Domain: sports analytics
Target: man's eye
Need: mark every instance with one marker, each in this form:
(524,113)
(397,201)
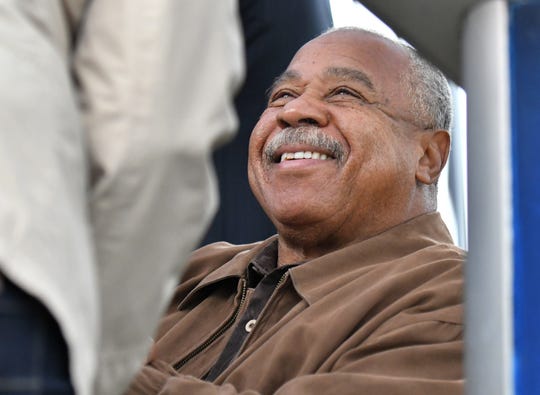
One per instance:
(343,91)
(347,92)
(280,97)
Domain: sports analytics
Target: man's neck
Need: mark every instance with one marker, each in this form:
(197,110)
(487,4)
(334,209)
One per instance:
(299,245)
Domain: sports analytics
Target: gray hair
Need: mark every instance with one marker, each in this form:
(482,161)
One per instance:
(429,91)
(426,85)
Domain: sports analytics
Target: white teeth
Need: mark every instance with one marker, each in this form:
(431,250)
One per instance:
(303,155)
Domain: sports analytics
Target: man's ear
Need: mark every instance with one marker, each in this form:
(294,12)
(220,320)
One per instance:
(436,146)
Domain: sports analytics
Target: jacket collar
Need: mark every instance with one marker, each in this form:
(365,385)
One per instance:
(316,278)
(234,268)
(322,275)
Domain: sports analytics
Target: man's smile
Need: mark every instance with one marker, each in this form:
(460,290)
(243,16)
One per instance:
(303,155)
(303,143)
(298,160)
(299,157)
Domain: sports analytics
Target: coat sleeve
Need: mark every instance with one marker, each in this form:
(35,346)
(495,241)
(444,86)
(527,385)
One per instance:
(156,81)
(421,359)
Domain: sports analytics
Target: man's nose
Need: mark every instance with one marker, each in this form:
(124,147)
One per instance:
(302,111)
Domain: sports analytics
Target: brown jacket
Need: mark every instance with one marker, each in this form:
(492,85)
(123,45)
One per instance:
(382,316)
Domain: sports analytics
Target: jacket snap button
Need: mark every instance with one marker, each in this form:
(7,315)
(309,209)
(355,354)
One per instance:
(250,325)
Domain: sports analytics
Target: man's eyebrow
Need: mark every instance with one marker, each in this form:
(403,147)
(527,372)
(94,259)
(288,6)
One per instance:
(287,76)
(334,72)
(350,74)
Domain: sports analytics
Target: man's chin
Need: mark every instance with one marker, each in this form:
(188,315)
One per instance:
(297,219)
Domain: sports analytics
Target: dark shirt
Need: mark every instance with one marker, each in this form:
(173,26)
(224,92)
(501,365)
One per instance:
(264,277)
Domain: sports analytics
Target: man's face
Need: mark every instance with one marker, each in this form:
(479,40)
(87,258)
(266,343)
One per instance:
(341,98)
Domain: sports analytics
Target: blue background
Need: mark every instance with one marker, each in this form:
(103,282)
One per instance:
(525,88)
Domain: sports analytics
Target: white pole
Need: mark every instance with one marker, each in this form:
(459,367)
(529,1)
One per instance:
(488,295)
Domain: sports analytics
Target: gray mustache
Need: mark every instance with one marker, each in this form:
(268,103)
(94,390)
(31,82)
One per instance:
(310,135)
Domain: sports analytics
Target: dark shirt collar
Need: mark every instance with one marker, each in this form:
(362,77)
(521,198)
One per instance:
(266,261)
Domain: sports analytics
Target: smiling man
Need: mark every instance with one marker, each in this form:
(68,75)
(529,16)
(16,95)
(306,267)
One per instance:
(360,292)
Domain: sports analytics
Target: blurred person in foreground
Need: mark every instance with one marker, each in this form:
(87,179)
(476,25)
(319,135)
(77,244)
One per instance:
(109,113)
(360,291)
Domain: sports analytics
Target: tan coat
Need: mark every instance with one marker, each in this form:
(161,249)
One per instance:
(142,90)
(383,316)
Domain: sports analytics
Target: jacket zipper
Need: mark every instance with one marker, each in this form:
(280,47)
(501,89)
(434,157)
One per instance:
(278,285)
(281,281)
(216,334)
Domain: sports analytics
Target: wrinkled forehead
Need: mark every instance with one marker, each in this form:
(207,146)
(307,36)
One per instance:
(383,62)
